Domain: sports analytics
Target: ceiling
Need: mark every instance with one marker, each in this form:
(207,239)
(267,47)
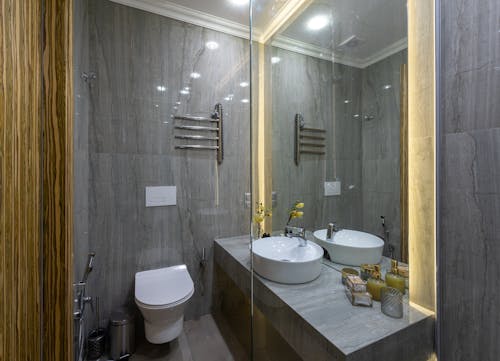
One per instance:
(379,25)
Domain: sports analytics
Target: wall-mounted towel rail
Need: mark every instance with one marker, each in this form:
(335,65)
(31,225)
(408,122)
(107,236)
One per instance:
(316,130)
(303,139)
(196,137)
(196,127)
(196,146)
(196,118)
(302,136)
(311,152)
(215,117)
(312,145)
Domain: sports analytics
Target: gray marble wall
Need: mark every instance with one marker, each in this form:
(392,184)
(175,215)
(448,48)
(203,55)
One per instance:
(131,146)
(381,147)
(469,168)
(317,89)
(300,84)
(345,149)
(363,155)
(81,139)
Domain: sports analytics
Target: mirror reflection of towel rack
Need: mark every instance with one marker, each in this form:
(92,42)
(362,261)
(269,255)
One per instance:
(217,118)
(303,137)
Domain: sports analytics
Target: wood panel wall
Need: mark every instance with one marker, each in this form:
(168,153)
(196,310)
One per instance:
(20,179)
(57,180)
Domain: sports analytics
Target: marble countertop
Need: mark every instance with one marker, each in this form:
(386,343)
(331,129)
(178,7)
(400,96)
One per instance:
(323,305)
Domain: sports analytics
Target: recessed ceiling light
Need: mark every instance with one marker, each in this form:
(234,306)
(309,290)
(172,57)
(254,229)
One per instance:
(387,87)
(184,92)
(275,60)
(244,84)
(212,45)
(195,75)
(187,88)
(347,101)
(355,116)
(318,22)
(245,100)
(161,88)
(239,2)
(178,103)
(227,99)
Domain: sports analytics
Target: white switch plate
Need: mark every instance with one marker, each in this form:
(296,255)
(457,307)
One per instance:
(161,196)
(332,188)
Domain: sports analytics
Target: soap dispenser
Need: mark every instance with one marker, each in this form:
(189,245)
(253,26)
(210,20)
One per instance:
(375,284)
(393,279)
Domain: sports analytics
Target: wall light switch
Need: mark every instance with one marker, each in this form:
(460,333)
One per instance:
(161,196)
(332,188)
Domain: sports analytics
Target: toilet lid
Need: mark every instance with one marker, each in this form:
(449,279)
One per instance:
(163,286)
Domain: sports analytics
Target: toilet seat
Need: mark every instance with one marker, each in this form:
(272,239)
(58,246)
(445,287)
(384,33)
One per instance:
(164,287)
(168,305)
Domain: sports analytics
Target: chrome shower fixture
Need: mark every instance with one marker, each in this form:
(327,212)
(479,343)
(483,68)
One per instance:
(90,262)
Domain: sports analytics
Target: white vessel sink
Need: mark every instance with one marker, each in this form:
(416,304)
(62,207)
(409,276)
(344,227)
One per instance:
(351,248)
(281,259)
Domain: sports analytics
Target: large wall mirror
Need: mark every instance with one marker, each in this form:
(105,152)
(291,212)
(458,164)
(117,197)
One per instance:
(335,97)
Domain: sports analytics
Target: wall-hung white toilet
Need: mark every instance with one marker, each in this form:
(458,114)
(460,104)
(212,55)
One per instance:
(161,295)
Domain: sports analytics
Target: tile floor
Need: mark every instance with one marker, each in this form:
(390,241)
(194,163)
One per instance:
(201,340)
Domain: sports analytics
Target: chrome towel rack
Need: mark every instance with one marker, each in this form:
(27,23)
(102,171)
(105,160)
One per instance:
(215,118)
(307,140)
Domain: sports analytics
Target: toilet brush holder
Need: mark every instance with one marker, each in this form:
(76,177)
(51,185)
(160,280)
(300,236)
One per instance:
(96,342)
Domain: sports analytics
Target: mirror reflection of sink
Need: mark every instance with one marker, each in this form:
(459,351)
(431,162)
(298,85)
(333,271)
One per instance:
(281,259)
(350,247)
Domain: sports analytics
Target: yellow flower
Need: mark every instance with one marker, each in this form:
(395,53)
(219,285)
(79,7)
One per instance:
(299,214)
(258,219)
(299,205)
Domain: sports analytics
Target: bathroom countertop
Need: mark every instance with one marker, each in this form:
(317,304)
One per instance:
(319,322)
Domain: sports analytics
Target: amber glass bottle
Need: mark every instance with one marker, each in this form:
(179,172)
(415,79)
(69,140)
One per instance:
(393,279)
(374,285)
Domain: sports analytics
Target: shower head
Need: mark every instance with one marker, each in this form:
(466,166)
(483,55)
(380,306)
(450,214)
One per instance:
(351,42)
(90,262)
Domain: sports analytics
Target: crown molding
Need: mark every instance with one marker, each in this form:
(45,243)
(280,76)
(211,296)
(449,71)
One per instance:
(188,15)
(386,52)
(300,47)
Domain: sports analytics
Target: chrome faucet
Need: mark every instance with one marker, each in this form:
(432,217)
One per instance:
(332,228)
(385,236)
(299,232)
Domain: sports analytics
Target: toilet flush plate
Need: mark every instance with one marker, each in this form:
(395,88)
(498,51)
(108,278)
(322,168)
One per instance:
(161,196)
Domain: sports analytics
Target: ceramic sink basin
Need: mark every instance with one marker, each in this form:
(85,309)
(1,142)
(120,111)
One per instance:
(281,259)
(350,247)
